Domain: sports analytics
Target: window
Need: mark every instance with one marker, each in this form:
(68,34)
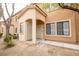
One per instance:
(63,28)
(60,28)
(21,28)
(48,28)
(52,28)
(66,28)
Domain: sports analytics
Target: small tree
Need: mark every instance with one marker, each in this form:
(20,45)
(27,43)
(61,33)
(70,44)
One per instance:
(7,21)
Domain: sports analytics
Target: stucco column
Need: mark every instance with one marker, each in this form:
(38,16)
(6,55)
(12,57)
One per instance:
(34,31)
(25,31)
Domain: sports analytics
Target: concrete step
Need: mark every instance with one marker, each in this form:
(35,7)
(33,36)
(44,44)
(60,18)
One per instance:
(61,44)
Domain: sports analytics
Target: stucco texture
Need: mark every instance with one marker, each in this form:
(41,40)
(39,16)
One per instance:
(64,15)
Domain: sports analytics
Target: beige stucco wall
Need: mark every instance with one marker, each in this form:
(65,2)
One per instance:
(77,25)
(14,23)
(62,15)
(30,14)
(39,16)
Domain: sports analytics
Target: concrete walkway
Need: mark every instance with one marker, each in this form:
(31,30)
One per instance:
(61,44)
(39,49)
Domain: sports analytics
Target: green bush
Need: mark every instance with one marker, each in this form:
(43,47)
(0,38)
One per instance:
(8,40)
(1,34)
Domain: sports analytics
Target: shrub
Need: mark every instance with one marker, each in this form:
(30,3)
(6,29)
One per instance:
(1,34)
(8,40)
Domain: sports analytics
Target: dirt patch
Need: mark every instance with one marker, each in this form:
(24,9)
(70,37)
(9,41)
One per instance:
(53,50)
(28,49)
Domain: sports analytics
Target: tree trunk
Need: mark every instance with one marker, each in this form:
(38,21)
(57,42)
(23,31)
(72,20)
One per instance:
(7,30)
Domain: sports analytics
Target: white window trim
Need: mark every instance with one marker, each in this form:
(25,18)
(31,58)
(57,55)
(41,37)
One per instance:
(53,29)
(55,22)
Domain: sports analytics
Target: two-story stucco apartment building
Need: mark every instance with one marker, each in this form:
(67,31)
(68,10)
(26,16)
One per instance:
(32,23)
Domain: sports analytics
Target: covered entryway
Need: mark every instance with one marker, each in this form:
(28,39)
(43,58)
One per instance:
(32,24)
(39,29)
(29,30)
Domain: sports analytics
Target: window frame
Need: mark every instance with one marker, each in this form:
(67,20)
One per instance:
(53,29)
(50,29)
(47,29)
(63,28)
(55,22)
(61,23)
(66,28)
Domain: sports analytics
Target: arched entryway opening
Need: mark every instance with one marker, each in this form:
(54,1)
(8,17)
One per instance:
(39,29)
(29,30)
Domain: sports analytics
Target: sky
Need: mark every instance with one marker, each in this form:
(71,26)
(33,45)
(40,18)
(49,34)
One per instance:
(18,7)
